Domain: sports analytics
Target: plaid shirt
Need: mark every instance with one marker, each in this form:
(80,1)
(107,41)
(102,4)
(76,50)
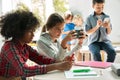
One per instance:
(13,57)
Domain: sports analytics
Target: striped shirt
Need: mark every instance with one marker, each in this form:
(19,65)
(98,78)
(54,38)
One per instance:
(13,57)
(52,49)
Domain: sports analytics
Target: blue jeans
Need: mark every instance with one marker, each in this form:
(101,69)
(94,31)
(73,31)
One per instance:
(107,47)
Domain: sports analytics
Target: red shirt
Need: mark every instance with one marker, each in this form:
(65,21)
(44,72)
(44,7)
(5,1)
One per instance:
(13,57)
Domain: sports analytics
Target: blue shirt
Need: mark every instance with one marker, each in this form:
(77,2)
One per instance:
(91,22)
(68,27)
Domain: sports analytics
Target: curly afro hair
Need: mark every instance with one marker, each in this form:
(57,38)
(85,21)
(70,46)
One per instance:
(15,24)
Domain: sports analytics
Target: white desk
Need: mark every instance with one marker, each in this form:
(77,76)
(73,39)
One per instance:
(57,75)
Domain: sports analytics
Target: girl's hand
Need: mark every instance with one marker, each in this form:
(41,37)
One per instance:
(70,36)
(81,39)
(69,58)
(64,65)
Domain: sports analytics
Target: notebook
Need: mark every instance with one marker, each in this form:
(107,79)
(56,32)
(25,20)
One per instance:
(95,64)
(90,73)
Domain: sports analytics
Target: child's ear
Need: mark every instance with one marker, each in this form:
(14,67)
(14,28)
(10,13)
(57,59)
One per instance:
(93,6)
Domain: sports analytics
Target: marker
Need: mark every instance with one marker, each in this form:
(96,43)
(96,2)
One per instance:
(81,70)
(72,57)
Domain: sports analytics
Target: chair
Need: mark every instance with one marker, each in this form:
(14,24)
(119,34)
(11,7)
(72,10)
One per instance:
(86,54)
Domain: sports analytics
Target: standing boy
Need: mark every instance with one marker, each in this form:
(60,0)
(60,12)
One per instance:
(98,27)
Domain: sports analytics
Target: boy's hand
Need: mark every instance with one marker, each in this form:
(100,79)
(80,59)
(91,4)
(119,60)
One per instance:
(106,24)
(99,22)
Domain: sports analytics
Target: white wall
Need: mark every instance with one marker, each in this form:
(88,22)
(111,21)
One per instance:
(1,41)
(112,8)
(9,5)
(49,9)
(80,6)
(0,7)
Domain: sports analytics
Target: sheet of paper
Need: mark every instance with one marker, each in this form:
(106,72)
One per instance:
(96,64)
(71,74)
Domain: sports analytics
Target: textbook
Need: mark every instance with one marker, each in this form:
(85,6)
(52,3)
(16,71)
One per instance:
(81,73)
(95,64)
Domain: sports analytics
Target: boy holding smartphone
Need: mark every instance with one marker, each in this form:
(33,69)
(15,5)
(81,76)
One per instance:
(98,27)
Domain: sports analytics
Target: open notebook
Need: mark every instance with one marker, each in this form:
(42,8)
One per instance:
(96,64)
(83,74)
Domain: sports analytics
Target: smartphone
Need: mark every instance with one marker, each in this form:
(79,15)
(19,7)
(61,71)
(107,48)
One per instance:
(79,33)
(107,20)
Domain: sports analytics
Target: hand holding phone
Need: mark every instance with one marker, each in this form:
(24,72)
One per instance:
(106,20)
(79,33)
